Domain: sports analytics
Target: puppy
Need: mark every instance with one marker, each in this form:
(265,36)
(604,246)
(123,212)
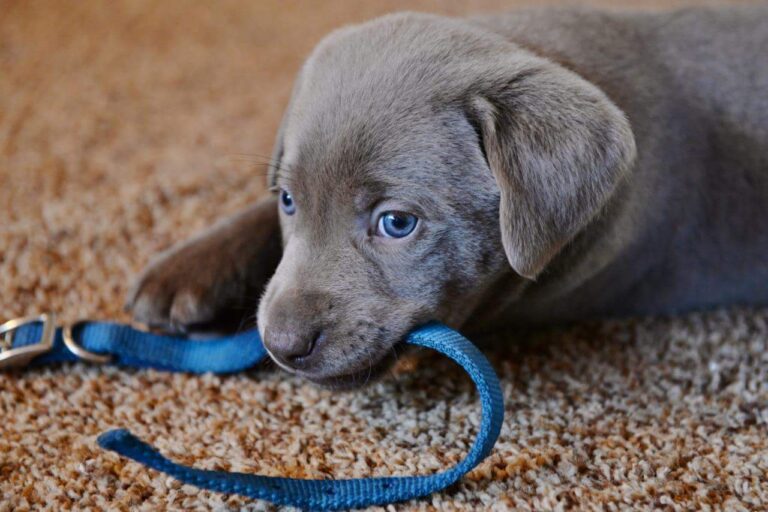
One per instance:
(532,167)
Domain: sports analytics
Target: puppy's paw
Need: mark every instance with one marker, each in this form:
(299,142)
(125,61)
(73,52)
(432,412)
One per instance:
(189,289)
(212,282)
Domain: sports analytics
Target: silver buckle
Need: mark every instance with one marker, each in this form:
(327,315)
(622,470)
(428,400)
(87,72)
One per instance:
(78,350)
(21,356)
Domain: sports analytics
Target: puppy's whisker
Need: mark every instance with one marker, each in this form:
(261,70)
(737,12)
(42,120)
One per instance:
(260,160)
(370,366)
(268,160)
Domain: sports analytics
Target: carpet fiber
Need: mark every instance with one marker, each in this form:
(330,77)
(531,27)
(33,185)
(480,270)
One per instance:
(127,126)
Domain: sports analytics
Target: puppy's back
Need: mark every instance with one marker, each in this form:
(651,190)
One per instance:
(694,85)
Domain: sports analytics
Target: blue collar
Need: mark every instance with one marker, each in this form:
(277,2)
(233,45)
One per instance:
(35,341)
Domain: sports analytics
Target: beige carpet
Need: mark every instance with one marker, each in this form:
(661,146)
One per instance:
(126,126)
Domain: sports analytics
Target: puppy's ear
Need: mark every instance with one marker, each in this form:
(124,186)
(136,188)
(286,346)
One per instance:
(277,153)
(557,147)
(278,149)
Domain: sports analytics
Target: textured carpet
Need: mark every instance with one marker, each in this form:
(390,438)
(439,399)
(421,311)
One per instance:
(126,126)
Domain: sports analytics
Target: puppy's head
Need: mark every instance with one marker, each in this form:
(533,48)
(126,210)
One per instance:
(419,159)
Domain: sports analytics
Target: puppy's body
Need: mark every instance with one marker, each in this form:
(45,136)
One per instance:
(689,228)
(623,155)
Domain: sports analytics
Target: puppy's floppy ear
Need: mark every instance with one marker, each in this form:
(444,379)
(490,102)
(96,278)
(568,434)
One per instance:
(277,154)
(557,147)
(278,149)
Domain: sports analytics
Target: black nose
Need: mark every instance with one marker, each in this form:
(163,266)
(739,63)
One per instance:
(292,348)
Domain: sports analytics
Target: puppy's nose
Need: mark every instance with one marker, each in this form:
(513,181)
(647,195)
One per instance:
(292,348)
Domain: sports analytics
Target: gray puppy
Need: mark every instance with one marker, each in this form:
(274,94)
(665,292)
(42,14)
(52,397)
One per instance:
(538,166)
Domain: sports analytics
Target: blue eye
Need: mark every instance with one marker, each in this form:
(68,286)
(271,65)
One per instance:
(286,202)
(394,224)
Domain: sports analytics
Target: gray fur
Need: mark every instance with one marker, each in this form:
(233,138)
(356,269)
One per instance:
(564,164)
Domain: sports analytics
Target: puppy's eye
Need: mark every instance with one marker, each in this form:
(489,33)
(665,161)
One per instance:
(286,202)
(394,224)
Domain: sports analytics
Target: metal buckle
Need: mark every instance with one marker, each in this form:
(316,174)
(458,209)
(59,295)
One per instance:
(79,351)
(21,356)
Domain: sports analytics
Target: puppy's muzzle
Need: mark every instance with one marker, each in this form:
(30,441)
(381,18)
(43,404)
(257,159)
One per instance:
(294,349)
(295,330)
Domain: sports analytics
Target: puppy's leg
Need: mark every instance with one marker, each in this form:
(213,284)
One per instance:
(213,281)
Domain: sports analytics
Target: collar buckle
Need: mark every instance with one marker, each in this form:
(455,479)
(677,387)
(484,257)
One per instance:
(19,357)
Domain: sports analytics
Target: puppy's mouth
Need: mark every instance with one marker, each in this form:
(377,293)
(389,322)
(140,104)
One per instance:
(360,378)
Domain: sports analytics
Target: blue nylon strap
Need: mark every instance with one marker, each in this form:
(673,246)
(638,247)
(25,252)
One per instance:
(144,350)
(139,349)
